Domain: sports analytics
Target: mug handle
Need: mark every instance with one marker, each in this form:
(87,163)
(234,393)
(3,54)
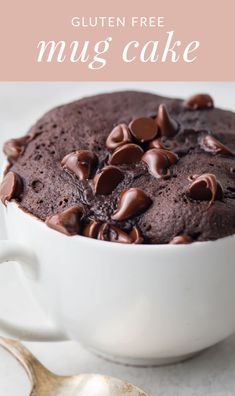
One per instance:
(12,251)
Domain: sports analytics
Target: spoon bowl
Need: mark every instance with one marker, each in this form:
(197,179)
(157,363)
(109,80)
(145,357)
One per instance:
(44,382)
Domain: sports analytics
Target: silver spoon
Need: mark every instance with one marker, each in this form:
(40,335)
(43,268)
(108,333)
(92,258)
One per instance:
(45,383)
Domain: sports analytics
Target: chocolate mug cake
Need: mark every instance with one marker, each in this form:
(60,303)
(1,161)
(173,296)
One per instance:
(128,167)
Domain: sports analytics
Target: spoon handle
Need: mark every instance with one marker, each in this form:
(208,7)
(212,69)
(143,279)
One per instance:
(32,366)
(44,382)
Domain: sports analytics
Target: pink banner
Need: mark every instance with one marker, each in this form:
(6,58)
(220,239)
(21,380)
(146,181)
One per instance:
(123,40)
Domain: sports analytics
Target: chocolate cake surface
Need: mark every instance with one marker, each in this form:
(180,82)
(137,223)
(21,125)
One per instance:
(129,167)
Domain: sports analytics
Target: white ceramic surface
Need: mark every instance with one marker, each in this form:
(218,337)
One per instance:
(139,304)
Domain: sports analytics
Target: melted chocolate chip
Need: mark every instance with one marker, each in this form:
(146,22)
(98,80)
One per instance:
(112,233)
(168,126)
(67,222)
(206,188)
(14,148)
(181,239)
(214,146)
(132,202)
(108,232)
(200,101)
(159,161)
(143,129)
(107,180)
(127,154)
(136,236)
(11,187)
(119,136)
(156,143)
(81,163)
(103,232)
(115,234)
(91,229)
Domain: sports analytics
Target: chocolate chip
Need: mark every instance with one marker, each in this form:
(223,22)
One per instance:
(119,136)
(68,222)
(200,101)
(159,161)
(156,143)
(127,154)
(181,239)
(136,236)
(107,180)
(214,146)
(91,229)
(108,232)
(206,188)
(168,126)
(132,202)
(81,163)
(143,129)
(118,235)
(11,187)
(14,148)
(103,232)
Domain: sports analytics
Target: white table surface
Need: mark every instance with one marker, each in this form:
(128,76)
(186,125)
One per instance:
(210,374)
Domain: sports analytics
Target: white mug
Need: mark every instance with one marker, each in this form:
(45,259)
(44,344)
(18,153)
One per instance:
(137,304)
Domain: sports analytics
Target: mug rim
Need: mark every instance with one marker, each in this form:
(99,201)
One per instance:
(151,247)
